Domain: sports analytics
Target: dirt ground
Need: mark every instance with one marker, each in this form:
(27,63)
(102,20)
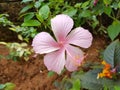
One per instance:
(33,75)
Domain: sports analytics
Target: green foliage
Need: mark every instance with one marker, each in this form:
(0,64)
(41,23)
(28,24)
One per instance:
(4,21)
(31,23)
(83,13)
(50,73)
(76,85)
(44,12)
(117,87)
(71,12)
(2,86)
(112,54)
(28,16)
(92,83)
(24,1)
(18,50)
(24,33)
(88,81)
(7,86)
(107,2)
(72,83)
(119,4)
(114,30)
(65,84)
(26,8)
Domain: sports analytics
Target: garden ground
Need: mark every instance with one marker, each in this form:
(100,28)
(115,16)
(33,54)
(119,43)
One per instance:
(33,75)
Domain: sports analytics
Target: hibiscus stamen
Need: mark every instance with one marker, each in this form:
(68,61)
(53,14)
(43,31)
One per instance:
(77,60)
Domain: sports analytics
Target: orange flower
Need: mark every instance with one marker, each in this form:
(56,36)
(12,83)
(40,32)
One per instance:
(104,63)
(106,72)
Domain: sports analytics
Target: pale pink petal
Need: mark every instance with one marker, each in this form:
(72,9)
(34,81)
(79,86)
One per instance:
(80,37)
(61,26)
(74,57)
(44,43)
(55,61)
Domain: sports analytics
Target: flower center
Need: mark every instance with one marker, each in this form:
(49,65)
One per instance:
(61,43)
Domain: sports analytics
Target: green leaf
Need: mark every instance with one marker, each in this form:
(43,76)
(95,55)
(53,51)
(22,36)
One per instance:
(105,88)
(77,5)
(89,80)
(9,86)
(21,53)
(20,37)
(26,8)
(99,9)
(108,10)
(117,87)
(28,16)
(114,30)
(24,1)
(31,23)
(56,83)
(50,73)
(76,85)
(71,12)
(39,17)
(96,22)
(107,2)
(119,4)
(3,43)
(110,83)
(115,5)
(2,86)
(85,13)
(85,4)
(117,54)
(37,4)
(44,11)
(112,54)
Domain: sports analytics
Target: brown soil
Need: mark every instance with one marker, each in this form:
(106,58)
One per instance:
(32,75)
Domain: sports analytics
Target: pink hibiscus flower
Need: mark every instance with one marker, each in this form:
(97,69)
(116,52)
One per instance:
(62,51)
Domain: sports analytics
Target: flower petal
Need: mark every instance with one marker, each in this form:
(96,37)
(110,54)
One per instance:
(80,37)
(44,43)
(74,57)
(55,61)
(61,26)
